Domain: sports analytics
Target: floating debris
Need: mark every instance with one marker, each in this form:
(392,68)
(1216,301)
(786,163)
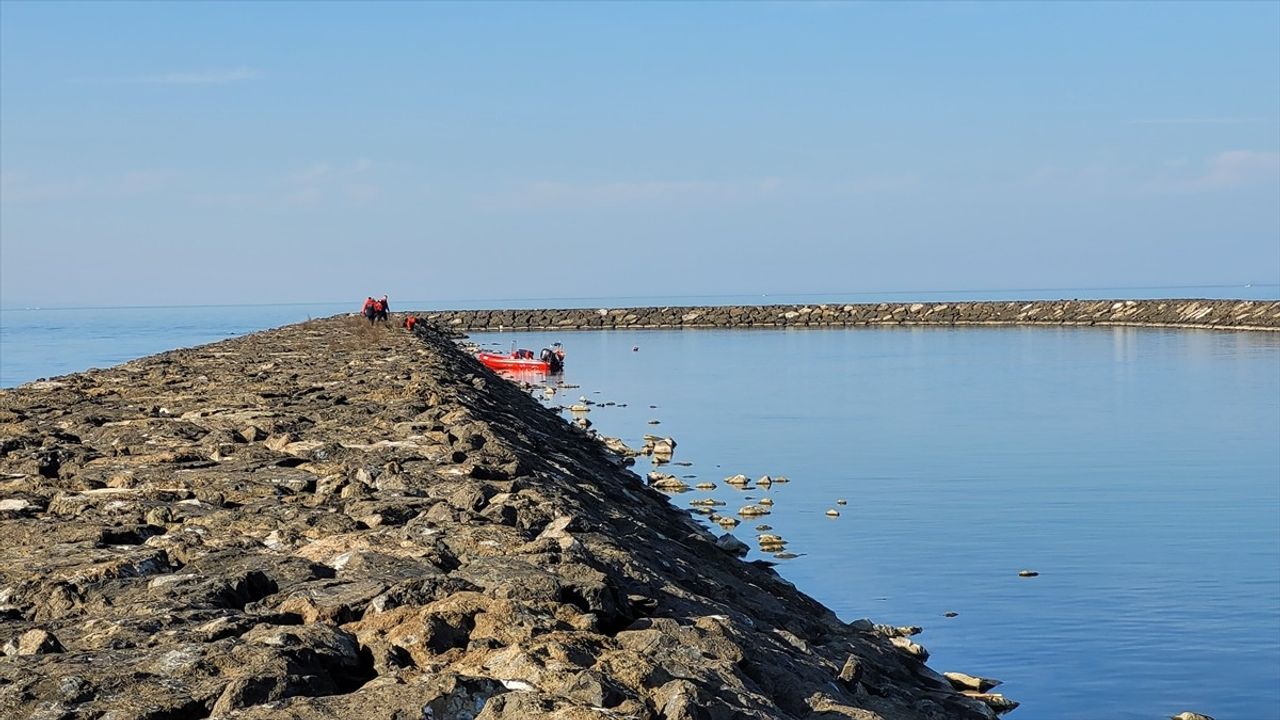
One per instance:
(842,501)
(832,512)
(1027,573)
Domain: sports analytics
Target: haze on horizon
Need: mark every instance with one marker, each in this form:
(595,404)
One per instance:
(162,154)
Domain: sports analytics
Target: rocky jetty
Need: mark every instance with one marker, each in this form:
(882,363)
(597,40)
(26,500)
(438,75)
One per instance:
(1206,314)
(332,520)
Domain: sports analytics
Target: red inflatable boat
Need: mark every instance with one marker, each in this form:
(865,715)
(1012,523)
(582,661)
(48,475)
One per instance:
(551,360)
(506,362)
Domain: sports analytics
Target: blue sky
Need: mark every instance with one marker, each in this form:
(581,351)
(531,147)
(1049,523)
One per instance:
(288,152)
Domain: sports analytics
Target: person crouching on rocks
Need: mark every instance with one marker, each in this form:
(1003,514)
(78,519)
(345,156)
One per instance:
(409,322)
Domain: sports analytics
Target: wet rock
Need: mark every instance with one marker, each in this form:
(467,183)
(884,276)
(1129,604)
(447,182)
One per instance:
(1187,715)
(1028,573)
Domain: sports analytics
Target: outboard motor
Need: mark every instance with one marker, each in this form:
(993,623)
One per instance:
(555,363)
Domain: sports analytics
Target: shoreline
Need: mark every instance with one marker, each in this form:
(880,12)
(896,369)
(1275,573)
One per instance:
(336,519)
(1191,314)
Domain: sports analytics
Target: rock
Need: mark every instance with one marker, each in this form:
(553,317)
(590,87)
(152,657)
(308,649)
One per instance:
(280,442)
(997,702)
(832,512)
(1187,715)
(33,642)
(753,510)
(765,501)
(851,671)
(842,501)
(961,681)
(738,480)
(1027,573)
(950,614)
(915,650)
(732,545)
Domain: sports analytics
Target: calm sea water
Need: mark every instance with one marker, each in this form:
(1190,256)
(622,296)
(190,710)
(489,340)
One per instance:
(1138,470)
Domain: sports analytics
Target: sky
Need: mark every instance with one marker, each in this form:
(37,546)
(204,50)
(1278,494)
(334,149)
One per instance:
(192,153)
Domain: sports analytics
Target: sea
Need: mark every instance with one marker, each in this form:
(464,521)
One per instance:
(1136,470)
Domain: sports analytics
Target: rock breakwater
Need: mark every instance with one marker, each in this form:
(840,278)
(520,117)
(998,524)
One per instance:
(337,520)
(1208,314)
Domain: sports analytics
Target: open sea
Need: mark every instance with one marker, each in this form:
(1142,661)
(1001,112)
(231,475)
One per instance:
(1137,470)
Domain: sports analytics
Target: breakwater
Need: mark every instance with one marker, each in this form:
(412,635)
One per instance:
(1204,314)
(341,520)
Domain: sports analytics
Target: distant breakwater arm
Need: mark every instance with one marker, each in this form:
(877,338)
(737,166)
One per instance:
(1202,314)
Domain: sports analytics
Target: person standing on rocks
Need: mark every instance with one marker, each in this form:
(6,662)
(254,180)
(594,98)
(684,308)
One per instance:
(368,310)
(384,308)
